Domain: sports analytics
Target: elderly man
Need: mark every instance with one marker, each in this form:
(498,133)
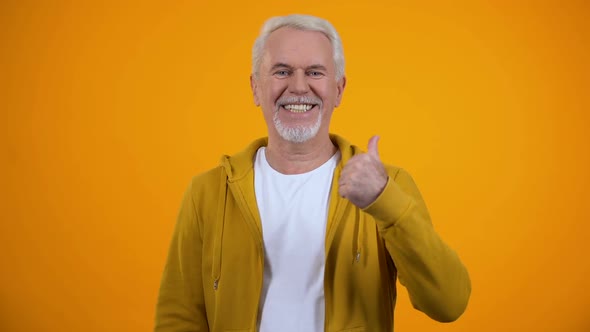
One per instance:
(303,231)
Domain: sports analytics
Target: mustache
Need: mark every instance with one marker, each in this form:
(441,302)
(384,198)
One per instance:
(310,100)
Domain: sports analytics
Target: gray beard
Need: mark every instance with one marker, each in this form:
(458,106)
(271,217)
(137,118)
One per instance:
(298,134)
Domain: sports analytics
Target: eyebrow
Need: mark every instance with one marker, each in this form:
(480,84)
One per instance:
(284,65)
(320,67)
(280,65)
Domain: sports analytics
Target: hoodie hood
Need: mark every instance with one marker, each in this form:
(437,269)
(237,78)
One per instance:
(240,164)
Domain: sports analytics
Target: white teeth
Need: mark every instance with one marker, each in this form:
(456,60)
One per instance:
(298,108)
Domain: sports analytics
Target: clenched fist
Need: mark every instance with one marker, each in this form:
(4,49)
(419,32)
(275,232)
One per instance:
(363,178)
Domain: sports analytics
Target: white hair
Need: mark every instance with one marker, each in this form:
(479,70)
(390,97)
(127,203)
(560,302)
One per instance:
(299,22)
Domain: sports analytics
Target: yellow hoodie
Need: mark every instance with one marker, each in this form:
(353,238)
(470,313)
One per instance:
(214,272)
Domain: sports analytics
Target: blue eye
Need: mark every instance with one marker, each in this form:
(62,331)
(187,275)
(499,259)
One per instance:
(282,73)
(315,74)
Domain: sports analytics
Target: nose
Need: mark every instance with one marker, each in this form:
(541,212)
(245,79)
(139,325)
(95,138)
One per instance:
(298,83)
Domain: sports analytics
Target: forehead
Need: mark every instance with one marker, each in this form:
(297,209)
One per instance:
(298,47)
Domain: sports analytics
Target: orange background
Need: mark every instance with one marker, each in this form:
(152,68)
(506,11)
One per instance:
(108,109)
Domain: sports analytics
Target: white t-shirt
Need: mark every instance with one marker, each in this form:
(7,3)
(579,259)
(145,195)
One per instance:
(293,210)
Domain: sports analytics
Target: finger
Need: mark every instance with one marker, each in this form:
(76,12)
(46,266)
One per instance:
(344,173)
(347,169)
(372,146)
(342,180)
(342,191)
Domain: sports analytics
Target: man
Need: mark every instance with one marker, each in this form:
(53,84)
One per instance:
(302,231)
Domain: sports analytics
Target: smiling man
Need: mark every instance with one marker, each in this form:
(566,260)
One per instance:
(303,231)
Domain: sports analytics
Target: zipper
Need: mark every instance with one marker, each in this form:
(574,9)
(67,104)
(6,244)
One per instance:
(255,227)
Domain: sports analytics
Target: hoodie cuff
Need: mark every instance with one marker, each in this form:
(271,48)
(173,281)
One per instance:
(390,205)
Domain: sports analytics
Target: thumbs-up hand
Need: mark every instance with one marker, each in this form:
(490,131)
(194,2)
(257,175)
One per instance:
(363,178)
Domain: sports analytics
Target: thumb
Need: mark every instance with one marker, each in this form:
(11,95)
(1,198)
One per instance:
(372,146)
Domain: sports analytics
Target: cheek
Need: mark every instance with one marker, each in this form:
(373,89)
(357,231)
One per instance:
(276,90)
(268,95)
(327,92)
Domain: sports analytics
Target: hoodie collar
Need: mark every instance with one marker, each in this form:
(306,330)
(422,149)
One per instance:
(238,165)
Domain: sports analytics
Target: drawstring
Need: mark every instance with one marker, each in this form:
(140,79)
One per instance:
(359,228)
(218,240)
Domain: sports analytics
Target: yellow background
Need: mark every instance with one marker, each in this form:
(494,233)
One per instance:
(108,109)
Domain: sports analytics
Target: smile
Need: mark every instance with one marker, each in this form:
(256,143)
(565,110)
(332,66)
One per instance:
(298,108)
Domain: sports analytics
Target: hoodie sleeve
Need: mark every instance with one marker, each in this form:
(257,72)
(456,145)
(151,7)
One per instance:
(181,303)
(438,284)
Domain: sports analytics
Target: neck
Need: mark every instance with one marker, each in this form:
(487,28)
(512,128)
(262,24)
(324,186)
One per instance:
(295,158)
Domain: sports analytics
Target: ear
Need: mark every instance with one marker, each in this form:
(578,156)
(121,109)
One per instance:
(340,85)
(254,87)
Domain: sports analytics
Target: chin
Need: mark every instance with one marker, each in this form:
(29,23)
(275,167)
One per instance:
(297,134)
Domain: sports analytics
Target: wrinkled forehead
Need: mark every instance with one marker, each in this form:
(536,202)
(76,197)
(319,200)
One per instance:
(297,48)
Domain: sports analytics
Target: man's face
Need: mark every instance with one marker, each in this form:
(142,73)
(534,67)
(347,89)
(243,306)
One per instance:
(296,84)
